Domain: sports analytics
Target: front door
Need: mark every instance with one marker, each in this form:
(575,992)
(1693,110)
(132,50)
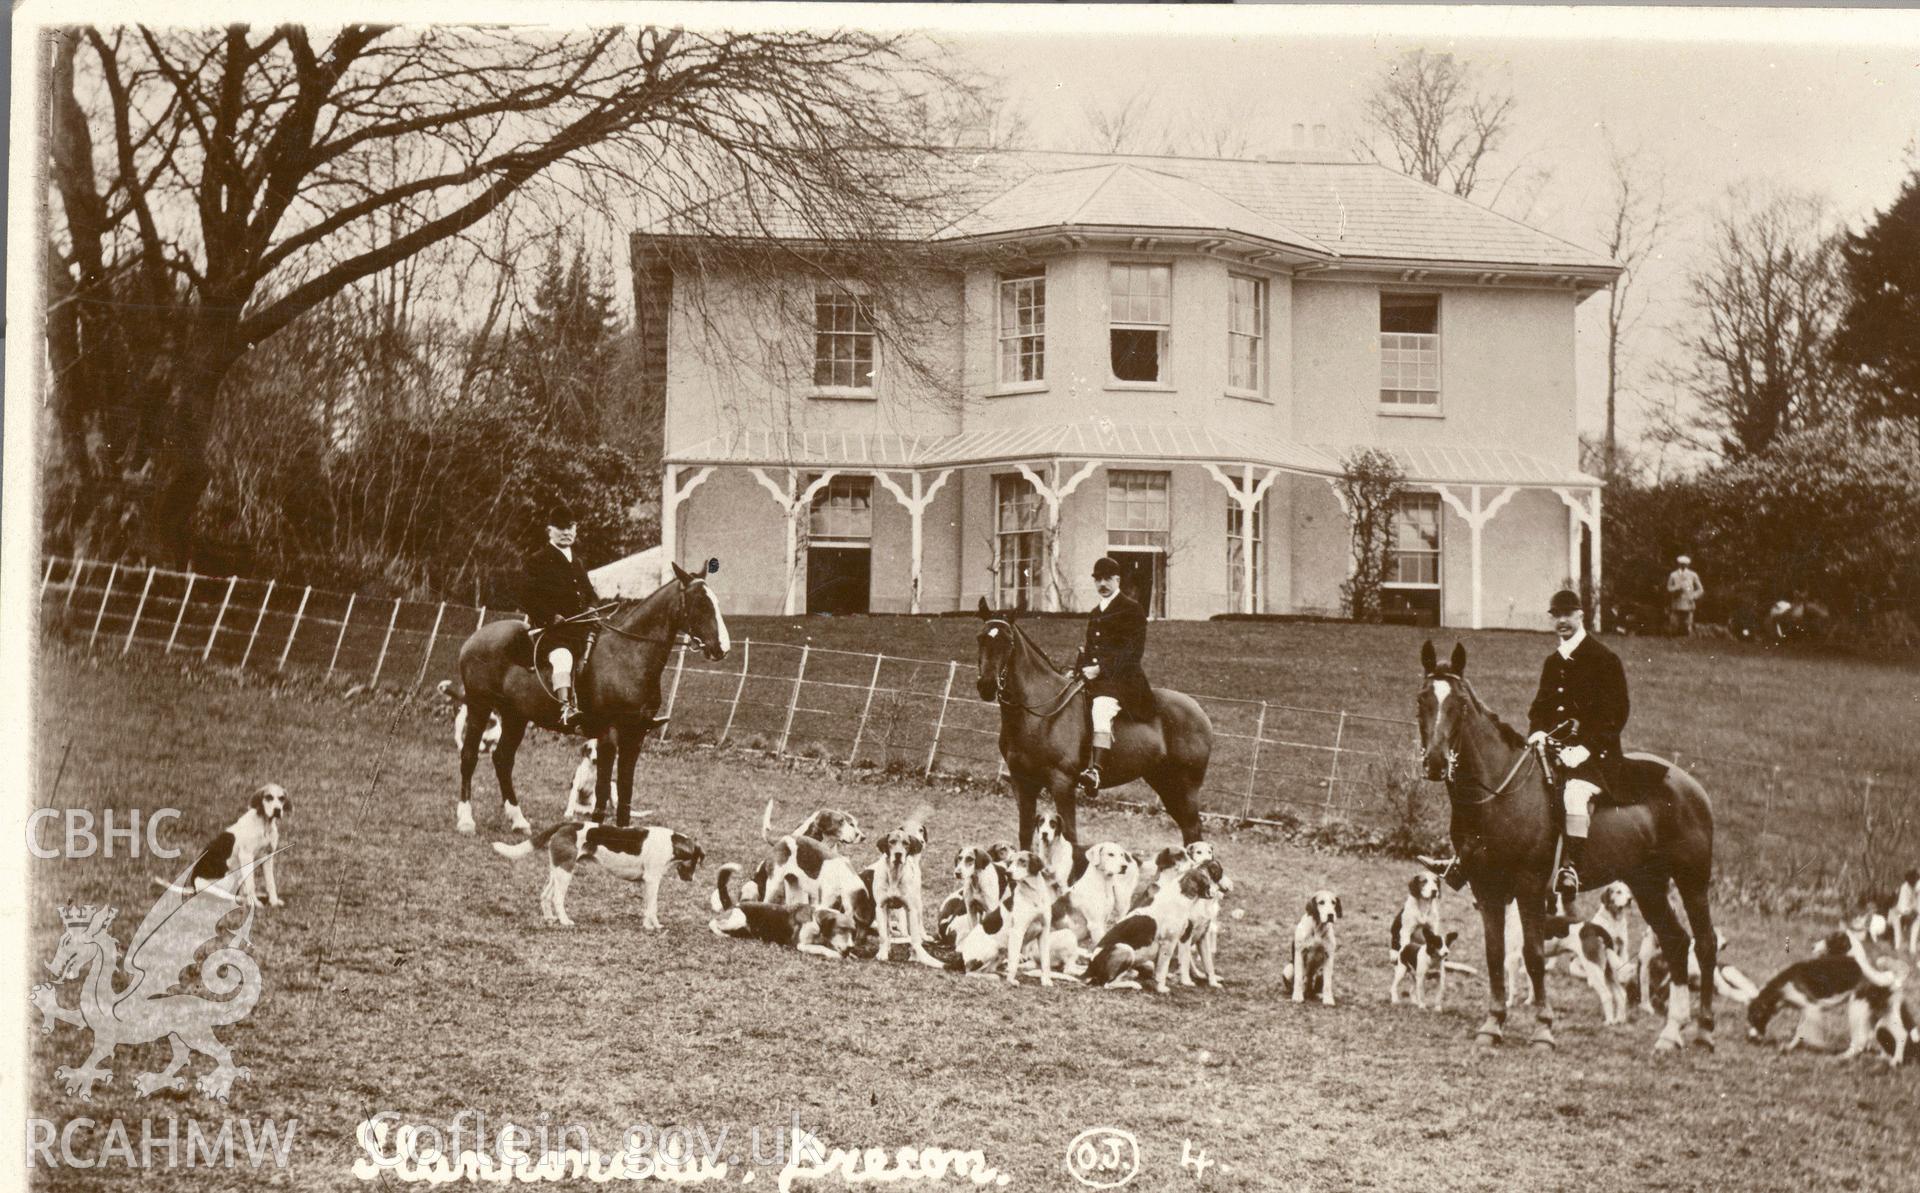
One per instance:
(838,579)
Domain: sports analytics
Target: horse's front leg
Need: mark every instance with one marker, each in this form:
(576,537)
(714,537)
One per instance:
(630,737)
(1533,938)
(1027,792)
(603,759)
(1493,924)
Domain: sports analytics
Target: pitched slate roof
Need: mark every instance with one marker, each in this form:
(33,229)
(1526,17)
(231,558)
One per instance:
(1357,212)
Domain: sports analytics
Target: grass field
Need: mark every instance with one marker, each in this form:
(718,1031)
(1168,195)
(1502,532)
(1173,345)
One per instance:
(410,973)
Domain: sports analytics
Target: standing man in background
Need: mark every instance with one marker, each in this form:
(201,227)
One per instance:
(1684,591)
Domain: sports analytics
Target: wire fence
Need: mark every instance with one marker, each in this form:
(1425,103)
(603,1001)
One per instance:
(1272,762)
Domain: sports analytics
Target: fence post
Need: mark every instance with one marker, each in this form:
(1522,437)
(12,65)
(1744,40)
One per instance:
(746,656)
(186,598)
(384,643)
(1333,773)
(258,618)
(345,618)
(941,722)
(673,693)
(297,615)
(1773,786)
(46,576)
(793,701)
(426,660)
(105,593)
(73,582)
(1253,771)
(219,617)
(139,609)
(861,731)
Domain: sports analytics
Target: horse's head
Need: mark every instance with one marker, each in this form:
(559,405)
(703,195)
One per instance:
(1439,708)
(698,614)
(996,646)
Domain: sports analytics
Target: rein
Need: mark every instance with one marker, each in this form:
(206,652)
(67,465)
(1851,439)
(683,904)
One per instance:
(1493,793)
(598,617)
(1073,688)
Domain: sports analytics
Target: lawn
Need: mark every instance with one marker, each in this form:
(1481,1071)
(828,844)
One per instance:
(410,972)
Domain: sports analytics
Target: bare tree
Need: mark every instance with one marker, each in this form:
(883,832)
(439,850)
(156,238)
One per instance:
(1766,299)
(1132,124)
(214,185)
(1635,220)
(1434,117)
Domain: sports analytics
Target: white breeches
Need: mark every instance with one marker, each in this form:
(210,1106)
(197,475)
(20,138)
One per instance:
(1578,797)
(562,659)
(1105,709)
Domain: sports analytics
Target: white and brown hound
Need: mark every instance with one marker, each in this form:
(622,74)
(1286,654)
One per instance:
(816,931)
(894,884)
(253,837)
(1147,937)
(1315,944)
(1838,974)
(1418,944)
(641,855)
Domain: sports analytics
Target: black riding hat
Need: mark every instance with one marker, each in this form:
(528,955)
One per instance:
(1564,601)
(562,515)
(1105,566)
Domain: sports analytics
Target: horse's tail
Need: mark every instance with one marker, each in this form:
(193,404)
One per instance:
(453,694)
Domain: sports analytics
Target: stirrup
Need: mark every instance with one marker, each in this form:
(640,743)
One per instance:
(1090,779)
(1567,882)
(569,710)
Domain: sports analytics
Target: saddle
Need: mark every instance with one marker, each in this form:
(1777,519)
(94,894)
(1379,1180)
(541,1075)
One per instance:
(1634,781)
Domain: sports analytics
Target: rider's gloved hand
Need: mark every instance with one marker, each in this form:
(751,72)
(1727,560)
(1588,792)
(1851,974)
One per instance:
(1574,756)
(1537,738)
(1090,670)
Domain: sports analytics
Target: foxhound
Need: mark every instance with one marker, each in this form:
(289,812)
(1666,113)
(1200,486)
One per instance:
(1603,952)
(1051,846)
(1416,942)
(1103,892)
(1146,937)
(1315,944)
(1839,973)
(1035,893)
(255,836)
(894,884)
(980,888)
(489,737)
(641,855)
(816,931)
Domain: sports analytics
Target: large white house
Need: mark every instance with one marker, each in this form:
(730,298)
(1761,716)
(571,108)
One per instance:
(1160,359)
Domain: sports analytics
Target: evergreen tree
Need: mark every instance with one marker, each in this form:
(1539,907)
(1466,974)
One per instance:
(1880,330)
(563,355)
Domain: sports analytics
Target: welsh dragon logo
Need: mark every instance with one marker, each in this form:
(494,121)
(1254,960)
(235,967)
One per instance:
(149,1007)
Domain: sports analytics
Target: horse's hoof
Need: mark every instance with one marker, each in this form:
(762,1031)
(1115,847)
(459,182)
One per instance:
(1543,1039)
(463,820)
(1666,1043)
(1703,1039)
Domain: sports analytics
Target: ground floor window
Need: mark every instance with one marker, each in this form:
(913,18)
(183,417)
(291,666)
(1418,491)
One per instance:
(1411,591)
(840,546)
(1239,542)
(1019,543)
(1139,523)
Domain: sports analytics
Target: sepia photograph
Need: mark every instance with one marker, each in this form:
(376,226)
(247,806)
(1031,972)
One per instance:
(1215,597)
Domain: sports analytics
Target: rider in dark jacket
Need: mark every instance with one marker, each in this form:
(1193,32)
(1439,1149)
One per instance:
(556,587)
(1581,682)
(1110,663)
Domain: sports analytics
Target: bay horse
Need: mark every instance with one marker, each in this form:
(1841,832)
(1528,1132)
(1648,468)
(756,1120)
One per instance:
(1505,828)
(619,688)
(1045,727)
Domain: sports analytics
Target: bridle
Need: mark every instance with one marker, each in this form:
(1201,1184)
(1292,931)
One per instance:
(1000,677)
(1455,782)
(598,615)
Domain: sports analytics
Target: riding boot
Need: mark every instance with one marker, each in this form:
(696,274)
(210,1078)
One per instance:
(569,711)
(1567,882)
(1090,777)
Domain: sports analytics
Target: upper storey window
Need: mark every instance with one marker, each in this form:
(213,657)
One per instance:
(1246,334)
(843,340)
(1410,353)
(1140,302)
(1023,330)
